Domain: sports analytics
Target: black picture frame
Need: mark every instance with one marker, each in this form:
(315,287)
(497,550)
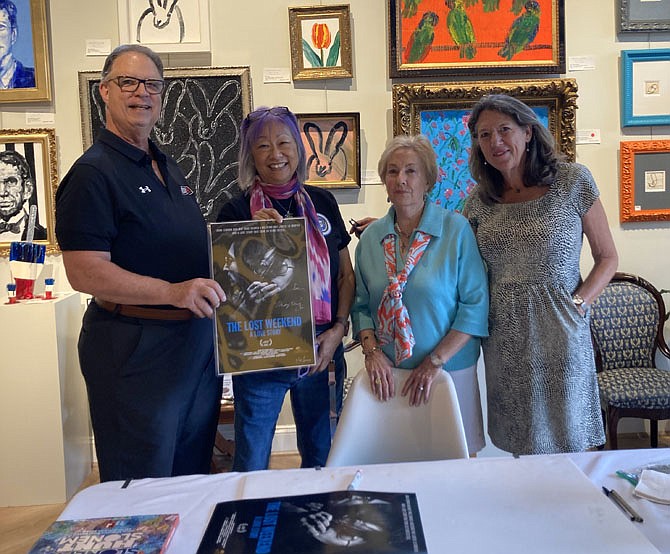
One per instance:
(545,57)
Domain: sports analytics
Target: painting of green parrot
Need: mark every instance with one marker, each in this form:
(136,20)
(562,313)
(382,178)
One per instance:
(421,40)
(517,6)
(522,32)
(410,7)
(461,30)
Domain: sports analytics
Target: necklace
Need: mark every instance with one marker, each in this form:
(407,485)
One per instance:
(400,231)
(404,239)
(287,211)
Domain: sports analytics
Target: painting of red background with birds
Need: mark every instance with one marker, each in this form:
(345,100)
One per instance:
(477,31)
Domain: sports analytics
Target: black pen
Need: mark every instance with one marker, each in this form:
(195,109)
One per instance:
(619,501)
(353,222)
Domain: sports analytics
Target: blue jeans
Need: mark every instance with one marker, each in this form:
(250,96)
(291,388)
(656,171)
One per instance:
(258,401)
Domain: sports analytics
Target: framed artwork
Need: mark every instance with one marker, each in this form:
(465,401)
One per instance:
(447,38)
(645,181)
(23,36)
(28,173)
(333,146)
(320,39)
(645,87)
(646,16)
(165,25)
(441,112)
(199,126)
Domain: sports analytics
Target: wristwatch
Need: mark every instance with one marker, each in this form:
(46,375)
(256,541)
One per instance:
(436,360)
(579,302)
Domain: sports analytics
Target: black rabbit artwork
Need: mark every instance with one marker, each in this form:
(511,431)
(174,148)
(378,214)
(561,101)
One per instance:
(332,148)
(327,159)
(198,126)
(163,19)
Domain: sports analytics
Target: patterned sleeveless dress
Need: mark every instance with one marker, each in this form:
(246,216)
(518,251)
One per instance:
(540,371)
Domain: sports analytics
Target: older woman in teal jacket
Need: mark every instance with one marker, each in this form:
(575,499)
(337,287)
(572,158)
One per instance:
(421,289)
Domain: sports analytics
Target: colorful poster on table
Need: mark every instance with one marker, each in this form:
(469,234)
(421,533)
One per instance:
(266,321)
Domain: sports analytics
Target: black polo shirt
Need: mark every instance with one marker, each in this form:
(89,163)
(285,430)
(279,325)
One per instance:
(330,221)
(111,201)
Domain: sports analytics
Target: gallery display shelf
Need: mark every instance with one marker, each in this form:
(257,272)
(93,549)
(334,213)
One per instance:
(44,419)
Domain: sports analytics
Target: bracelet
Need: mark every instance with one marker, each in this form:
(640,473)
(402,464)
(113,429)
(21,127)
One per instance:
(372,350)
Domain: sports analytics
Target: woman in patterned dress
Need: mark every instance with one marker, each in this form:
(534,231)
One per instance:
(421,299)
(529,211)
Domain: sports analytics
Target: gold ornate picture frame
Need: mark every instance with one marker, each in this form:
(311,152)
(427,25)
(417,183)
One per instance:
(36,149)
(31,44)
(320,39)
(441,112)
(645,181)
(333,148)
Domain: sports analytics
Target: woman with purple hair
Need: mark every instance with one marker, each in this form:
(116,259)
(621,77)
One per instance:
(272,172)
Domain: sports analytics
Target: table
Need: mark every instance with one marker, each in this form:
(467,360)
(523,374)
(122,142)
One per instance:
(548,504)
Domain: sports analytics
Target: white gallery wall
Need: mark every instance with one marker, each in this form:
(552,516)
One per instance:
(256,33)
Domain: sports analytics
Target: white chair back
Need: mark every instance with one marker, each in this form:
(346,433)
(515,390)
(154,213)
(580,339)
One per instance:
(375,432)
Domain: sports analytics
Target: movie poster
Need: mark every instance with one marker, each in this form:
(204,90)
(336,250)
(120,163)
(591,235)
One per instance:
(266,321)
(340,522)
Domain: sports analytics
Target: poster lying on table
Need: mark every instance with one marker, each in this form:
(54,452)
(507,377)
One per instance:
(149,534)
(266,320)
(341,522)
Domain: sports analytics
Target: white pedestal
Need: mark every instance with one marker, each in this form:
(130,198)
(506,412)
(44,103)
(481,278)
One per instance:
(44,422)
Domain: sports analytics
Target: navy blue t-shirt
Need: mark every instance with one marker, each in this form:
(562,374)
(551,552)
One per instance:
(330,222)
(111,201)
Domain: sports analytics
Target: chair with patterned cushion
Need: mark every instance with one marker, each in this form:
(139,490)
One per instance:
(627,322)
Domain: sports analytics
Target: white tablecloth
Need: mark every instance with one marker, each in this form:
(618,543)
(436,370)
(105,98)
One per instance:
(532,504)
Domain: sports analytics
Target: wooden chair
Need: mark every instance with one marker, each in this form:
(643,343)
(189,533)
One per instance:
(627,322)
(221,443)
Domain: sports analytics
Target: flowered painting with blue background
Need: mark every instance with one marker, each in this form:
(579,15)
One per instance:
(447,130)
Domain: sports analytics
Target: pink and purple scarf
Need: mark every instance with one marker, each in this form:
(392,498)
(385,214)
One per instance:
(317,250)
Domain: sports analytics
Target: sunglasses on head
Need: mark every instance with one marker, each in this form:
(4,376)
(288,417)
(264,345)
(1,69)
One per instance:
(260,114)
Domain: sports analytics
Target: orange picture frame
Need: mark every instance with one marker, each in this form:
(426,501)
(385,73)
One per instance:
(645,181)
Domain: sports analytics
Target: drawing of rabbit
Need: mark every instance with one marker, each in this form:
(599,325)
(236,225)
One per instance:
(165,126)
(212,115)
(322,161)
(162,12)
(210,193)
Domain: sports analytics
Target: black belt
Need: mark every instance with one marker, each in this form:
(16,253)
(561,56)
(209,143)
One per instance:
(128,310)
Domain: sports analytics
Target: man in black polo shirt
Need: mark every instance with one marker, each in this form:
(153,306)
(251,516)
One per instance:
(132,235)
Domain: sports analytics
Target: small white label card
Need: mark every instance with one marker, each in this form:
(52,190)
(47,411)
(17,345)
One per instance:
(588,136)
(581,63)
(370,177)
(276,75)
(37,119)
(98,46)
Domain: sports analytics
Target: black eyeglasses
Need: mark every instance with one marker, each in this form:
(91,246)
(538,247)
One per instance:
(259,114)
(131,84)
